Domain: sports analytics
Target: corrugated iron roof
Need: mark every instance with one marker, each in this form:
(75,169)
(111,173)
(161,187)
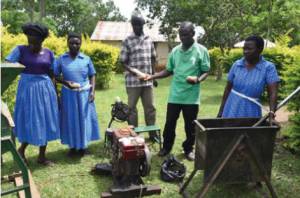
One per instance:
(118,31)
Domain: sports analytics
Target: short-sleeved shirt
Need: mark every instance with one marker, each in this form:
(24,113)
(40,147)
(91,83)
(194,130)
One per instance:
(192,62)
(138,52)
(35,63)
(77,70)
(250,83)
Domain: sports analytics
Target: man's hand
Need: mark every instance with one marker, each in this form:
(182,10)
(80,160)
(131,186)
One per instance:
(148,77)
(192,79)
(91,97)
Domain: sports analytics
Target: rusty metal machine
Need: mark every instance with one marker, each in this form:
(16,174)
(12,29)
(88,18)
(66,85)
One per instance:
(131,160)
(233,151)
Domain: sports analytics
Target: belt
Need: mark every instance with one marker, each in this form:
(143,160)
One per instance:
(254,100)
(83,88)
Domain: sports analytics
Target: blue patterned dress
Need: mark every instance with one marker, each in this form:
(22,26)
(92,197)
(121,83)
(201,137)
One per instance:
(36,110)
(250,83)
(79,122)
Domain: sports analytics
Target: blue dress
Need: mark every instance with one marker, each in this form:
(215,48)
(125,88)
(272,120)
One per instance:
(250,83)
(79,123)
(36,112)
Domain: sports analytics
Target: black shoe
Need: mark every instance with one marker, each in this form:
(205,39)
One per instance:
(83,152)
(163,152)
(190,156)
(72,152)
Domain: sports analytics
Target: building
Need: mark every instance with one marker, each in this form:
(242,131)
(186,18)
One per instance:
(113,33)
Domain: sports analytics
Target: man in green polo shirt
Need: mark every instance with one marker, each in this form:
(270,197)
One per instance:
(189,64)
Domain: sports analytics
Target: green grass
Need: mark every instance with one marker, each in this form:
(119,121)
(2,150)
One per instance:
(71,177)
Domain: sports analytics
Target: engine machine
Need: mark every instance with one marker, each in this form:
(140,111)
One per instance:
(131,160)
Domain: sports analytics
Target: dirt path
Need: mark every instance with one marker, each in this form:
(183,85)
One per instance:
(282,115)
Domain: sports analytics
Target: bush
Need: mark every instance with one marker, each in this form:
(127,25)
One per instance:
(291,77)
(103,56)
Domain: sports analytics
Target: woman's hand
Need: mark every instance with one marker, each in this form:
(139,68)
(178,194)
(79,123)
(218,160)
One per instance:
(72,85)
(272,120)
(91,97)
(219,114)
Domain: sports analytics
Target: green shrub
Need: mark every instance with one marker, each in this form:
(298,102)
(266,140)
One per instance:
(119,67)
(103,56)
(291,77)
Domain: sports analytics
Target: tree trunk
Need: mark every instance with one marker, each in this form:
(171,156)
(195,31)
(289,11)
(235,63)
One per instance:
(42,9)
(219,67)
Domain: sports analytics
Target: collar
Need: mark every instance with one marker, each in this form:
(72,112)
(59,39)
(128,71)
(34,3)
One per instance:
(258,65)
(189,49)
(142,36)
(79,55)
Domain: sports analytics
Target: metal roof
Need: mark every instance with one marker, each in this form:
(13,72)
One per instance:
(118,31)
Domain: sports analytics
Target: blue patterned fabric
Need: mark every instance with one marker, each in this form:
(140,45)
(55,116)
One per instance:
(79,122)
(250,83)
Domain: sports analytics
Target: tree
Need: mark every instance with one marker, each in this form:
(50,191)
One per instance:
(227,21)
(60,16)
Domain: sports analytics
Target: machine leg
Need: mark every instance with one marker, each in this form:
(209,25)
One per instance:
(183,187)
(261,169)
(220,165)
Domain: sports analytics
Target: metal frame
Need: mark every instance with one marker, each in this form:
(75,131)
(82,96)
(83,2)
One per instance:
(8,145)
(240,141)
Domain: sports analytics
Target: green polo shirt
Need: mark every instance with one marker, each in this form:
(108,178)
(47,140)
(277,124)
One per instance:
(191,62)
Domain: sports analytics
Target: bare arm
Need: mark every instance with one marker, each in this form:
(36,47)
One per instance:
(92,91)
(272,92)
(225,96)
(164,73)
(60,79)
(202,77)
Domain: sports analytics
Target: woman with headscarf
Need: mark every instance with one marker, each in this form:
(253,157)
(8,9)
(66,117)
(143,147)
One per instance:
(247,80)
(36,111)
(79,123)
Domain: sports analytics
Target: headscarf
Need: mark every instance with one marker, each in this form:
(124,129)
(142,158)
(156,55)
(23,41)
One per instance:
(35,29)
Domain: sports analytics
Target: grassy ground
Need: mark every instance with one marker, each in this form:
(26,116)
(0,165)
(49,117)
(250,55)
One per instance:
(71,177)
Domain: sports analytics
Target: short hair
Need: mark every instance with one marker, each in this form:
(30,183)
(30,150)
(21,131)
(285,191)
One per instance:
(259,41)
(137,17)
(187,24)
(74,35)
(35,29)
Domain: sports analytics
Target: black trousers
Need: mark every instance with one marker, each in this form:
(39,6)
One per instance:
(189,115)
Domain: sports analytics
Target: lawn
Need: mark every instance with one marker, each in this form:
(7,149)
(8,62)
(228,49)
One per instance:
(72,178)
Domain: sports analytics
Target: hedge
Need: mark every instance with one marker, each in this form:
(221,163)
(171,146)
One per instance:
(103,56)
(291,76)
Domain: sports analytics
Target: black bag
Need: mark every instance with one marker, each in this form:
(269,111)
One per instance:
(120,111)
(172,170)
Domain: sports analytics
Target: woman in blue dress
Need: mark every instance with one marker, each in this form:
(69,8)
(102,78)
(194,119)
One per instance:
(36,113)
(79,123)
(247,80)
